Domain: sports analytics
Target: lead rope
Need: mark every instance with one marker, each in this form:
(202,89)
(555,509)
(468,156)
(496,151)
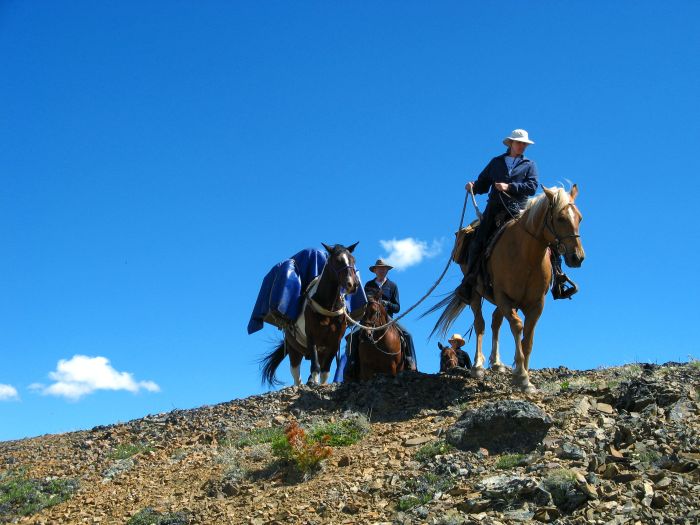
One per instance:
(427,294)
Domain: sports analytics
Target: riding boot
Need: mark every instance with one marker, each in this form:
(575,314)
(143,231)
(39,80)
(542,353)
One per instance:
(410,352)
(464,291)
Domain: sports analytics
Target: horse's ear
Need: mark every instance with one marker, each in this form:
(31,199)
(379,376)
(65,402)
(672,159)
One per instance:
(352,246)
(440,346)
(549,193)
(328,248)
(573,192)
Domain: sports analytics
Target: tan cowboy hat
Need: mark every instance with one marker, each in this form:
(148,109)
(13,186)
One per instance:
(519,135)
(380,264)
(457,339)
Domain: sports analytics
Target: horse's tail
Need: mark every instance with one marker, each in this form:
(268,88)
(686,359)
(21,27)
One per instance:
(270,363)
(453,306)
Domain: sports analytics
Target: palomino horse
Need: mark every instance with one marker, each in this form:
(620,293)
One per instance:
(323,320)
(521,273)
(380,350)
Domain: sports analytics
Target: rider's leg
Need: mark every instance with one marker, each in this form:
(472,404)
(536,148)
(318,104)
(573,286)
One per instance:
(409,349)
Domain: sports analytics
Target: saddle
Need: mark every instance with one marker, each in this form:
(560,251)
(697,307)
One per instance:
(463,239)
(562,286)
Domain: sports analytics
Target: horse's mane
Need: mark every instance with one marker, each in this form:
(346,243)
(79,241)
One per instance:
(536,205)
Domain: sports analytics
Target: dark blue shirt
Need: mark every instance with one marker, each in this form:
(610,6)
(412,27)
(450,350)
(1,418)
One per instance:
(390,294)
(522,181)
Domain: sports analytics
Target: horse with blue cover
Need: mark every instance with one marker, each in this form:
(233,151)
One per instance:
(306,297)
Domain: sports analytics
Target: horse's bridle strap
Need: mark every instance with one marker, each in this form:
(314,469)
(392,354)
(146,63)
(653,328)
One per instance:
(557,244)
(321,310)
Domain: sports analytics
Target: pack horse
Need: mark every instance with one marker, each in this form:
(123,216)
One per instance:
(520,275)
(318,332)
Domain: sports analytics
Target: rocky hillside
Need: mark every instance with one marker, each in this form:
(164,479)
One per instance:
(609,446)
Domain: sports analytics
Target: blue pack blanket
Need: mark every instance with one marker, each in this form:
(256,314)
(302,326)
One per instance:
(281,294)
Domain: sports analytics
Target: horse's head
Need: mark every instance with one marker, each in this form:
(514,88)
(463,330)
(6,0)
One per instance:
(375,313)
(562,225)
(342,264)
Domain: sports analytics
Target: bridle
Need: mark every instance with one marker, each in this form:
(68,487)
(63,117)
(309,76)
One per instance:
(339,292)
(370,333)
(558,244)
(351,273)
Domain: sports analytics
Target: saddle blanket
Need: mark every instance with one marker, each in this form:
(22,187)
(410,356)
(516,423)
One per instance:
(280,299)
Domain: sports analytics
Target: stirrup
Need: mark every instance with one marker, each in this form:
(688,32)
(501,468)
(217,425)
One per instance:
(563,287)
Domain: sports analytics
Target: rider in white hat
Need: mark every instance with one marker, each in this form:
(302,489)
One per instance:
(510,178)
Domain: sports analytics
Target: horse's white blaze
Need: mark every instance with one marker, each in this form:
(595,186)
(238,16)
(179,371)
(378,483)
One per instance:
(324,377)
(295,374)
(572,215)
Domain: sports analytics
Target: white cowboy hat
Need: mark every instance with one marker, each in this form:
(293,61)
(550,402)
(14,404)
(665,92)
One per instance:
(457,339)
(519,135)
(380,264)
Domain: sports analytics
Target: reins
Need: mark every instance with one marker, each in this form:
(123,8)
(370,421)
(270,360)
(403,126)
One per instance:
(427,294)
(557,244)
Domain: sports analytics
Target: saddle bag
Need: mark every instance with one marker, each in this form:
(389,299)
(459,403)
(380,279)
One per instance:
(464,236)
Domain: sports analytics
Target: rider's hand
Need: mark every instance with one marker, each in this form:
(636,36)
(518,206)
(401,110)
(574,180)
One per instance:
(501,186)
(468,186)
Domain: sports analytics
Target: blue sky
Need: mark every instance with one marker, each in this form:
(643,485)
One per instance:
(157,158)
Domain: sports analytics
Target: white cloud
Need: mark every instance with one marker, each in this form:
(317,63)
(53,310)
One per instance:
(8,392)
(82,375)
(409,251)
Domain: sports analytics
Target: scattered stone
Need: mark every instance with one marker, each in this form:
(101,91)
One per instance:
(414,442)
(635,463)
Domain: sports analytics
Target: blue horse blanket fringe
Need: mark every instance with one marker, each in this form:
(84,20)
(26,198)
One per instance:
(281,292)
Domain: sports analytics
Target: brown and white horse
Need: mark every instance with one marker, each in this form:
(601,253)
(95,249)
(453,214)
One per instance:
(318,332)
(521,273)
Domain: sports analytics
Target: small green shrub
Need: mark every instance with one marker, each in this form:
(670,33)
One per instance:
(422,490)
(126,450)
(410,501)
(694,363)
(259,436)
(559,483)
(299,450)
(648,456)
(508,461)
(21,496)
(149,516)
(429,451)
(341,433)
(564,385)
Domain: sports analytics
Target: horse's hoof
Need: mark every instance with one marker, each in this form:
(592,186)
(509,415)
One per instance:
(523,384)
(477,372)
(499,368)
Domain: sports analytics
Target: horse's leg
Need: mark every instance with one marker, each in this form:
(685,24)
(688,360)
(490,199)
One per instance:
(531,317)
(521,379)
(495,360)
(295,359)
(326,365)
(315,368)
(479,328)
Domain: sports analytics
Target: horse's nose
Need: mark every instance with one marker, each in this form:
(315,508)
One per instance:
(575,260)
